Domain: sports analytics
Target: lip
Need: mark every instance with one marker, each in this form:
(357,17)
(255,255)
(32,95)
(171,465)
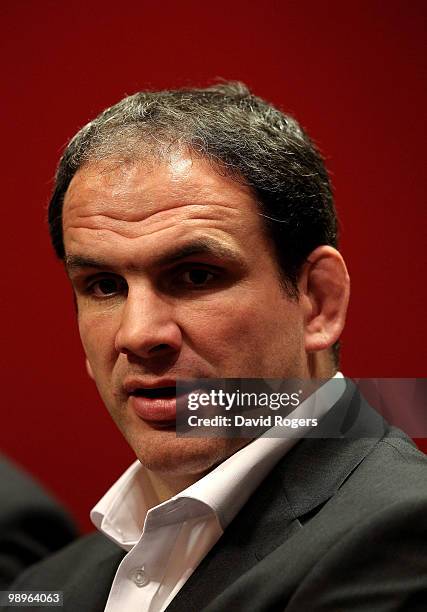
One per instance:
(155,410)
(132,384)
(159,412)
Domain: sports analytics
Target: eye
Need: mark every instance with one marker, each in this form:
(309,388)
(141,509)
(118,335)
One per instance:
(197,277)
(106,287)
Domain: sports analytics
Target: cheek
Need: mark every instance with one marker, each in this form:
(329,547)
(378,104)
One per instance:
(246,325)
(215,322)
(97,336)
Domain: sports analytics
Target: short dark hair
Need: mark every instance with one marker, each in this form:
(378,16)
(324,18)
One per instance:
(242,135)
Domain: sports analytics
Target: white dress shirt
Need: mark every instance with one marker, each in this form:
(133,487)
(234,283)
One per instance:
(166,543)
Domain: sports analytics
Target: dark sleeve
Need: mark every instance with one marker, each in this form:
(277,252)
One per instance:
(32,524)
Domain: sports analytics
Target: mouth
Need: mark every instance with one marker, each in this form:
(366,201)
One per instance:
(155,392)
(155,404)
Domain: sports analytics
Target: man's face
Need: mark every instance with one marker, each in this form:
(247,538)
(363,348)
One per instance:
(174,278)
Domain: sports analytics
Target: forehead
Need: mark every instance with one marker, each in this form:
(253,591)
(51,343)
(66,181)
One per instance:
(141,189)
(139,211)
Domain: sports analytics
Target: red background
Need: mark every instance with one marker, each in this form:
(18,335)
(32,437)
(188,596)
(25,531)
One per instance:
(352,73)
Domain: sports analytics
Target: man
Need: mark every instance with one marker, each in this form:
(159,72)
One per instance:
(198,231)
(32,524)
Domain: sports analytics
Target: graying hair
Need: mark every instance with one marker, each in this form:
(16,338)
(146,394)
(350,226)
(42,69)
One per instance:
(240,133)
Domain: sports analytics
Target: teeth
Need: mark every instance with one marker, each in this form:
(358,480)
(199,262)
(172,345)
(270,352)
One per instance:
(158,392)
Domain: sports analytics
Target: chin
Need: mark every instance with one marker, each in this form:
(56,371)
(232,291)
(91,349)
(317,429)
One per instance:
(164,453)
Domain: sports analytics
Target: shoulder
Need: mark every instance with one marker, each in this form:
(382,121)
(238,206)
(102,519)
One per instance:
(375,550)
(394,470)
(32,523)
(389,481)
(83,571)
(73,563)
(21,493)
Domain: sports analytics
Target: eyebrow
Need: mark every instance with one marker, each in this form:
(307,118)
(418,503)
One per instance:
(204,246)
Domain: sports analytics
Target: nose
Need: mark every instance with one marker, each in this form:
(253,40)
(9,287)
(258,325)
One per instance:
(147,326)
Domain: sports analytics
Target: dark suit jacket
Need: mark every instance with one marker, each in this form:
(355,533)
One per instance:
(338,525)
(32,524)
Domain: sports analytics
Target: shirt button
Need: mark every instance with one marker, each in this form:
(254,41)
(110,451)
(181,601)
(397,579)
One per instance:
(139,576)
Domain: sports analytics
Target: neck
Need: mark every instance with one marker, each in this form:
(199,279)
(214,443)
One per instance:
(320,365)
(166,486)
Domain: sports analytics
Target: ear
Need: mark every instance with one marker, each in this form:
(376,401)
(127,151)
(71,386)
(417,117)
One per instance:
(89,369)
(324,288)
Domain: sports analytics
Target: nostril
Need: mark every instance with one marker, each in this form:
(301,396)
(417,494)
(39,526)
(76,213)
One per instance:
(159,347)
